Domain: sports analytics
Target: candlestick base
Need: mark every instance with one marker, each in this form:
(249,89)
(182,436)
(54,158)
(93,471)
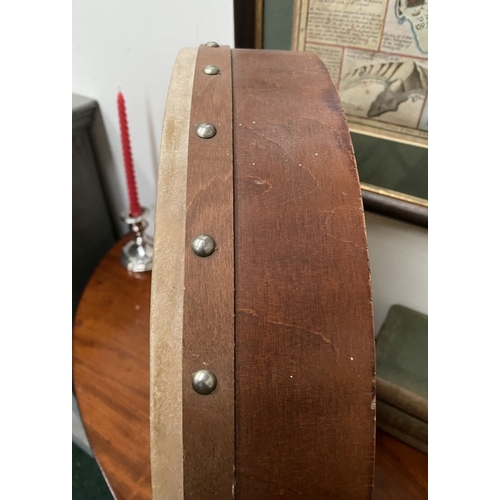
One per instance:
(137,254)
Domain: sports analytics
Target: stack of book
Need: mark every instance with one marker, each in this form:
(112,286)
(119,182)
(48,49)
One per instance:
(402,376)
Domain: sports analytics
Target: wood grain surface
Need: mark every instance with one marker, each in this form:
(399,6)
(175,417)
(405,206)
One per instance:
(111,382)
(400,471)
(305,372)
(208,333)
(111,374)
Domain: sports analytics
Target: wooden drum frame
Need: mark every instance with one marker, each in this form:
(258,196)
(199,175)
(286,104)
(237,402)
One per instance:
(278,312)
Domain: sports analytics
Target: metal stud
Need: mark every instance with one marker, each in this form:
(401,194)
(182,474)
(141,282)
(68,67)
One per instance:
(203,245)
(212,44)
(211,70)
(205,130)
(204,382)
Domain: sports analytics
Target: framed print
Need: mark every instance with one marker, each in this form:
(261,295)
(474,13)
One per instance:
(376,53)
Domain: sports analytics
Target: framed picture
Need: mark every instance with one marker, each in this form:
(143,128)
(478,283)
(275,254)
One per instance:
(376,53)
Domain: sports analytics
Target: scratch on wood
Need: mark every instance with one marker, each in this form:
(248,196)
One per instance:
(259,182)
(308,192)
(324,225)
(296,327)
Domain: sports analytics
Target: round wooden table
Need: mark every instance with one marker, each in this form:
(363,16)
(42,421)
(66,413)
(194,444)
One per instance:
(111,382)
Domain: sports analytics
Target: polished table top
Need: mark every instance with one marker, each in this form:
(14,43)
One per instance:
(111,382)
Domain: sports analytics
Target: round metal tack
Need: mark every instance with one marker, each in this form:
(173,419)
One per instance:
(203,245)
(204,382)
(205,130)
(212,44)
(211,70)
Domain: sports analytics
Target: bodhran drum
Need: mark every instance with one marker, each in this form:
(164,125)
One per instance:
(262,345)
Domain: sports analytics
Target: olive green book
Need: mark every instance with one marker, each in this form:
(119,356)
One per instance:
(402,365)
(400,424)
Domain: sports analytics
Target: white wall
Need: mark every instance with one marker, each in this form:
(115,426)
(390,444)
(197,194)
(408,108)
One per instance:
(134,44)
(398,261)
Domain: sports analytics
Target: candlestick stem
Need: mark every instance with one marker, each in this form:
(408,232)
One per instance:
(137,254)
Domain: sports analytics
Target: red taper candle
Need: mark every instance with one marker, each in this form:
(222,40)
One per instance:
(135,208)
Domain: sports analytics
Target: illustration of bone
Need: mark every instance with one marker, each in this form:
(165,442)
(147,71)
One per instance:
(400,79)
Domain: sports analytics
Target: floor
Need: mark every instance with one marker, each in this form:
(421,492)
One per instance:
(88,482)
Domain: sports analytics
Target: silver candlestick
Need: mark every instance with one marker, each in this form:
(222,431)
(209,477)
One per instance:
(137,254)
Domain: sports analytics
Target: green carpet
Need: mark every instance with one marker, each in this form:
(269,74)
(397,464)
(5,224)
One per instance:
(88,482)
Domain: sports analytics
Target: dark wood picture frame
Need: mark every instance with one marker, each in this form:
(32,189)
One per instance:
(248,24)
